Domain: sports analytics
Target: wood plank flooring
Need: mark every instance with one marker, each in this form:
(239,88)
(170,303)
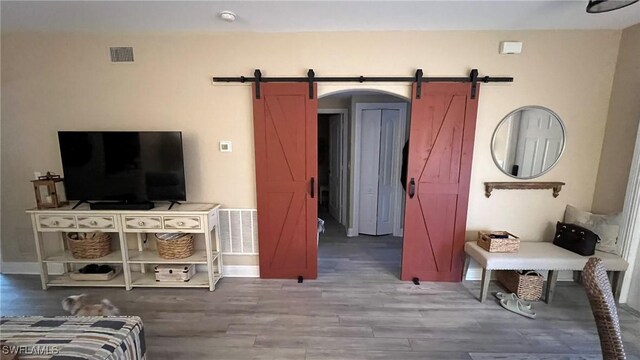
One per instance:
(357,309)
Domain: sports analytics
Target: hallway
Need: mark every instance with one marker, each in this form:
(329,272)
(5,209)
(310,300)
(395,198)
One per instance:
(361,256)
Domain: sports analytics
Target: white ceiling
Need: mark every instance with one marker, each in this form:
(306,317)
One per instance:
(292,16)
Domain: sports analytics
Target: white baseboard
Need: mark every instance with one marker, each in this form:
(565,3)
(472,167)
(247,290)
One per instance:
(30,268)
(250,271)
(476,274)
(351,232)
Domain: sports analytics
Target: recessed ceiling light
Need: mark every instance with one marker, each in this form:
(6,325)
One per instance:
(228,16)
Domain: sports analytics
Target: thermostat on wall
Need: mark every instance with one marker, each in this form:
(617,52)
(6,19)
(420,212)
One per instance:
(511,47)
(225,146)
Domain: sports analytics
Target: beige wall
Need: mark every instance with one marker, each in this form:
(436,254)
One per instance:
(622,126)
(334,102)
(56,82)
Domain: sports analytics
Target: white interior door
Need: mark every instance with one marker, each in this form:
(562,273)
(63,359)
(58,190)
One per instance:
(630,233)
(377,197)
(633,299)
(335,166)
(539,142)
(378,183)
(369,165)
(389,127)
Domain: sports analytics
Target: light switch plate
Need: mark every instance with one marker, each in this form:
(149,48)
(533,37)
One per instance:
(226,146)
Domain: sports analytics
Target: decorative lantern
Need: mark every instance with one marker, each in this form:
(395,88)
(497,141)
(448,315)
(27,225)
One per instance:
(49,191)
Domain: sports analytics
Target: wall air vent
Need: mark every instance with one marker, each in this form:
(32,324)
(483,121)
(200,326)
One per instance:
(121,54)
(238,231)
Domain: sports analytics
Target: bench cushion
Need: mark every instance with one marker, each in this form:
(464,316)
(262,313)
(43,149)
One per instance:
(540,256)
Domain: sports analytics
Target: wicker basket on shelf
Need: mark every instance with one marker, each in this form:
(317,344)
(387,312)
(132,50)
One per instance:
(174,246)
(526,284)
(89,245)
(498,241)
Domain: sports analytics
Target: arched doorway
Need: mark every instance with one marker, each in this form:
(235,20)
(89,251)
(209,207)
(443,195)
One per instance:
(361,134)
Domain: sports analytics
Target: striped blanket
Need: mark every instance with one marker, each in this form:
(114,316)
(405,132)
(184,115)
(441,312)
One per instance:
(72,337)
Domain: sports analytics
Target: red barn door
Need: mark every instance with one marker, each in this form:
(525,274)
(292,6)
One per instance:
(285,131)
(439,168)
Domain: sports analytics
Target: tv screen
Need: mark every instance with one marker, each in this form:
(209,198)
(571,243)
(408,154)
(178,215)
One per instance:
(122,165)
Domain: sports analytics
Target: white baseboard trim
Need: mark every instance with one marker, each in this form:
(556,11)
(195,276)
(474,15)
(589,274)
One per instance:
(474,274)
(250,271)
(351,232)
(30,268)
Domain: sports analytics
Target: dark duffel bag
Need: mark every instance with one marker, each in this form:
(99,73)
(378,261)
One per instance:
(576,238)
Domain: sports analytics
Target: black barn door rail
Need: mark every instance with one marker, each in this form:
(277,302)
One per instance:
(418,78)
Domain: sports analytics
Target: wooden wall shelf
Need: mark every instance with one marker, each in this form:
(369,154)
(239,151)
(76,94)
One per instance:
(522,185)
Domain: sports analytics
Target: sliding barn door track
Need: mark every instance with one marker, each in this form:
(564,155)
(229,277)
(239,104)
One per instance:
(418,78)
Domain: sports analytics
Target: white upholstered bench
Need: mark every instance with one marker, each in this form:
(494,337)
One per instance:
(539,256)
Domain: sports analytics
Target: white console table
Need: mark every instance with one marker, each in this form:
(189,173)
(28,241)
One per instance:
(184,218)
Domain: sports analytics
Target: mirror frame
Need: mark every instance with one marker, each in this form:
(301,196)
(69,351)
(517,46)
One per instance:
(493,140)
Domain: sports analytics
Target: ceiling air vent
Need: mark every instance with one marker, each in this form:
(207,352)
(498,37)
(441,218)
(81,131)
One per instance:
(121,54)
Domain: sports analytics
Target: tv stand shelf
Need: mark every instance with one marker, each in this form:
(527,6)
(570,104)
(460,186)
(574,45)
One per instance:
(165,217)
(65,257)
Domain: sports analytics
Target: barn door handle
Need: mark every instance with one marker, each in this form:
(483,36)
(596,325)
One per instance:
(313,187)
(412,188)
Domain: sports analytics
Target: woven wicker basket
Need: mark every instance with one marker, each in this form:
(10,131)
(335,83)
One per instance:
(603,306)
(179,247)
(89,245)
(527,285)
(505,242)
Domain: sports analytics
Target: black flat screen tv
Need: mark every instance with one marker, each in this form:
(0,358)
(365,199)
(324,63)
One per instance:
(125,166)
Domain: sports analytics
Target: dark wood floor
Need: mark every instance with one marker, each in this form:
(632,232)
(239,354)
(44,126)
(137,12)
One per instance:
(357,309)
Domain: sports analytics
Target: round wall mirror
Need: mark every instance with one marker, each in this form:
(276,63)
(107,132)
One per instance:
(528,142)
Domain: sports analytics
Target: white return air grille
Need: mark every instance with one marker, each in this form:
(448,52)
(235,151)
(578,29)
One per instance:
(238,231)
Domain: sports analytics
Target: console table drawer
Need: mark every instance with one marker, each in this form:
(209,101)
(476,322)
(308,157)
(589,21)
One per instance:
(143,222)
(56,222)
(182,222)
(96,222)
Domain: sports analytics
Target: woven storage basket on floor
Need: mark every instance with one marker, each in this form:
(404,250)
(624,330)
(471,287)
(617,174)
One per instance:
(174,248)
(506,242)
(527,286)
(89,245)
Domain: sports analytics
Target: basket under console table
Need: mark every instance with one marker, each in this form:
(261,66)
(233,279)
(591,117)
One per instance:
(134,262)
